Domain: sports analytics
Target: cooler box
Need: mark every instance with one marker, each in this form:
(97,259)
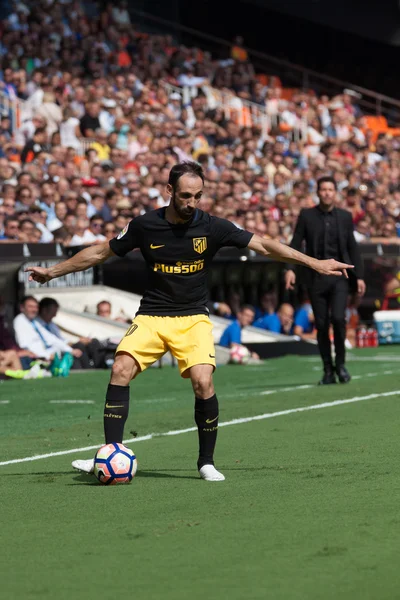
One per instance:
(388,325)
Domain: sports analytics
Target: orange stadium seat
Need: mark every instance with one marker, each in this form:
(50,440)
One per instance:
(287,93)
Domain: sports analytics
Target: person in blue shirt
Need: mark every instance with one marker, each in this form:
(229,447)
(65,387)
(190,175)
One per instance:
(279,322)
(268,304)
(233,333)
(304,323)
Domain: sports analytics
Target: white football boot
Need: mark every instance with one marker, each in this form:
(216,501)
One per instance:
(84,466)
(210,473)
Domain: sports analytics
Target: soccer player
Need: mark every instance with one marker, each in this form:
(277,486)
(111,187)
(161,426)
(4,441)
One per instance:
(178,243)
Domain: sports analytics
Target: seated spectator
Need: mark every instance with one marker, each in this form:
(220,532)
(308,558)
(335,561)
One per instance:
(233,333)
(15,362)
(34,146)
(101,146)
(268,304)
(90,122)
(362,230)
(103,309)
(88,352)
(26,230)
(110,231)
(10,364)
(11,230)
(39,217)
(304,322)
(280,322)
(69,129)
(31,335)
(220,308)
(87,233)
(8,344)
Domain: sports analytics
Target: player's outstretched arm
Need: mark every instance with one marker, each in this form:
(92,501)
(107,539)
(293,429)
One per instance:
(84,259)
(284,253)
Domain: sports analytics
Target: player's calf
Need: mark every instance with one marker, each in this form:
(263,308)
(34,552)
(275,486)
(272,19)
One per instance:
(116,411)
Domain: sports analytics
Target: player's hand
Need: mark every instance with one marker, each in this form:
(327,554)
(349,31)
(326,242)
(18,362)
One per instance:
(290,280)
(39,274)
(361,287)
(333,267)
(76,352)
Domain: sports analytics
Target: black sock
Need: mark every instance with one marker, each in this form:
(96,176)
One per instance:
(206,417)
(115,412)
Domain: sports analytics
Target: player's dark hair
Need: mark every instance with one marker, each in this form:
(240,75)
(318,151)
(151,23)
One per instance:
(47,303)
(184,168)
(326,179)
(26,298)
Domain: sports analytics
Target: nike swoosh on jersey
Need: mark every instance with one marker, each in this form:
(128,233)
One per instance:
(114,405)
(153,247)
(212,420)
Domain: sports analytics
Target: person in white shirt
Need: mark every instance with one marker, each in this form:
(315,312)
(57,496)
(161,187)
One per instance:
(84,235)
(31,335)
(362,231)
(188,79)
(28,128)
(69,130)
(85,349)
(120,14)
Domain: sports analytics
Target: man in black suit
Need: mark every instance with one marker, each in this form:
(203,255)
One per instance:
(328,233)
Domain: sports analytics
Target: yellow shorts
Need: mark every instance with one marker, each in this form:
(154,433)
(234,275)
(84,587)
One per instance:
(189,339)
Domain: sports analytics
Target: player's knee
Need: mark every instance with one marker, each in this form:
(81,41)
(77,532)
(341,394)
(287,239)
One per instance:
(121,373)
(203,386)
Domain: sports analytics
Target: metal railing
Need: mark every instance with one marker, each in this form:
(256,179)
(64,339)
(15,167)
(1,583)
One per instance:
(243,112)
(86,144)
(291,74)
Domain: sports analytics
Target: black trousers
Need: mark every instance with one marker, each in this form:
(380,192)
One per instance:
(328,296)
(93,355)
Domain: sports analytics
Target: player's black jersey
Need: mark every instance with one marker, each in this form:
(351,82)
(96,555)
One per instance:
(177,257)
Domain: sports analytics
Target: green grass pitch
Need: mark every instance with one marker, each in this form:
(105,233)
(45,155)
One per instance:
(309,509)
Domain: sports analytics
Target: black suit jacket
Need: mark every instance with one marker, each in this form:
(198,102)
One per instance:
(309,228)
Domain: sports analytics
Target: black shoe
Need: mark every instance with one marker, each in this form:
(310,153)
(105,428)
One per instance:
(343,374)
(328,378)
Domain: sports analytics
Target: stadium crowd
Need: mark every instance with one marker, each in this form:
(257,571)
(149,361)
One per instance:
(104,111)
(102,125)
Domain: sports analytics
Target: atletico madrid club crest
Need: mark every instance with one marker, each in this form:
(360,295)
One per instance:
(200,244)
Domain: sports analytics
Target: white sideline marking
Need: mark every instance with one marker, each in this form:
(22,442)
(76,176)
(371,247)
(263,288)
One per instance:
(4,402)
(389,358)
(71,401)
(151,436)
(306,387)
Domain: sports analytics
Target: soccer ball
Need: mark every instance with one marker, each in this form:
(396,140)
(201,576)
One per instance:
(114,463)
(240,355)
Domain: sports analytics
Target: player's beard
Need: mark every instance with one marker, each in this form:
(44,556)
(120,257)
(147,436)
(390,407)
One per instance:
(183,213)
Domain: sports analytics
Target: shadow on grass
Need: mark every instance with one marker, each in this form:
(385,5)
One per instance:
(85,479)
